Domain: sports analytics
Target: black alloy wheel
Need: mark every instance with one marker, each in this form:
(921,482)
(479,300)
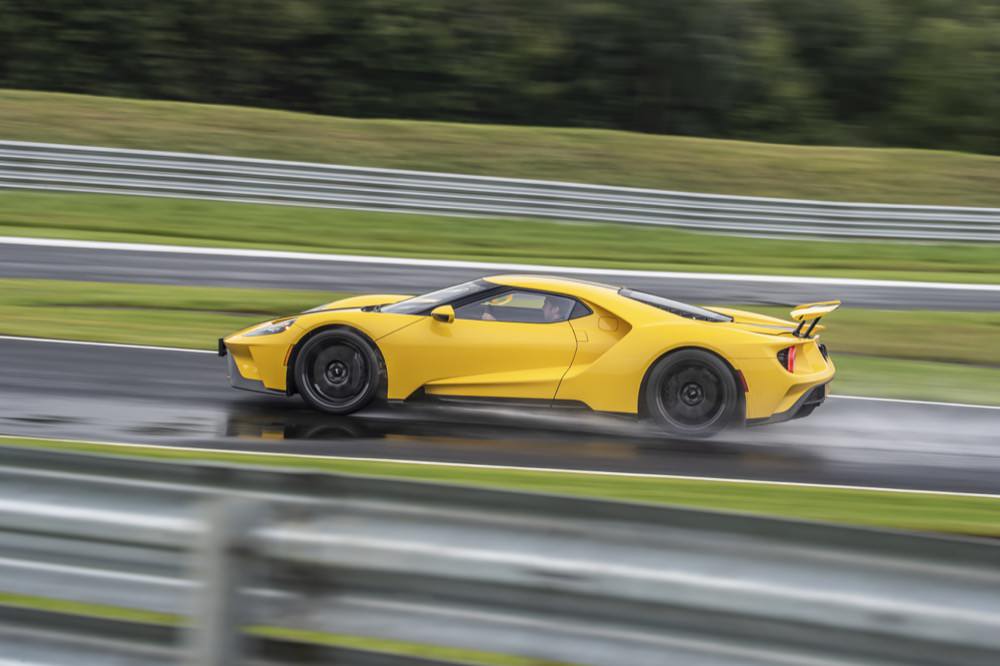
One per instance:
(692,393)
(338,371)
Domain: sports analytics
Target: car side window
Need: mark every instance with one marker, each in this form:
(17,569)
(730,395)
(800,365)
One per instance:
(528,307)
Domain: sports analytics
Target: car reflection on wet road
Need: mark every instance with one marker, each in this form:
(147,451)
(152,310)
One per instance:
(182,399)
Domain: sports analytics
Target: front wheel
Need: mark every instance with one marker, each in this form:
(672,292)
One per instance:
(692,393)
(338,371)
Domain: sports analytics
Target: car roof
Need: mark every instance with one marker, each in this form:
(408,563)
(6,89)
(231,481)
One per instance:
(581,288)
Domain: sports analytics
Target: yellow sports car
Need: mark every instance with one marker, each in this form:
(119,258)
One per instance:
(547,341)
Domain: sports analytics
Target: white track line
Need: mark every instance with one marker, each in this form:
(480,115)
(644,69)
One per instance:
(932,403)
(117,345)
(18,338)
(486,266)
(429,463)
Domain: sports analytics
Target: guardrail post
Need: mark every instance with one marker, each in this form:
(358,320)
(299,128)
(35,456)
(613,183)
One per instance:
(221,565)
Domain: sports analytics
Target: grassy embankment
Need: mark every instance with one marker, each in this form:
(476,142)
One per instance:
(922,355)
(220,224)
(582,155)
(915,354)
(146,617)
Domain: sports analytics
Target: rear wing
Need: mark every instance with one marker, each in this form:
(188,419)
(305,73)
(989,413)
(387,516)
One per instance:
(808,316)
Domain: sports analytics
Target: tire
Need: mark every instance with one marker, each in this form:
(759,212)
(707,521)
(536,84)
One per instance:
(338,371)
(692,393)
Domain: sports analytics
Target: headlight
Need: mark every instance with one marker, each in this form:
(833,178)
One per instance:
(271,328)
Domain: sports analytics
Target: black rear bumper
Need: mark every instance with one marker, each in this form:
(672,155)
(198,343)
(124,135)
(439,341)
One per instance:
(802,408)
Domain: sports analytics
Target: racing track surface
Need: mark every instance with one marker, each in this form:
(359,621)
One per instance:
(380,276)
(183,398)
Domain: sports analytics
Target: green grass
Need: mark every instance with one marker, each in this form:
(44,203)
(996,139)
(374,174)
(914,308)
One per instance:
(925,335)
(583,155)
(162,315)
(222,224)
(929,512)
(878,377)
(141,616)
(87,609)
(948,356)
(456,655)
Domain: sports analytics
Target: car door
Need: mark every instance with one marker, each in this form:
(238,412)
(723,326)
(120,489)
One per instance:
(501,346)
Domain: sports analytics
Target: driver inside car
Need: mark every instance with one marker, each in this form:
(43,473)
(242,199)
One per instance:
(552,309)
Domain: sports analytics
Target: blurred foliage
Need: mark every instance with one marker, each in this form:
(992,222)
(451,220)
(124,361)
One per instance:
(864,72)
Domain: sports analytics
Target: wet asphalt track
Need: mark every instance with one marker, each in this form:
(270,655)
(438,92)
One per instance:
(25,261)
(171,397)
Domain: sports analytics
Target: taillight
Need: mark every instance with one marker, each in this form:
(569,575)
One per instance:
(786,357)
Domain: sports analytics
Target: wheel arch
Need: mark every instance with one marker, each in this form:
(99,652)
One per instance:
(290,386)
(643,386)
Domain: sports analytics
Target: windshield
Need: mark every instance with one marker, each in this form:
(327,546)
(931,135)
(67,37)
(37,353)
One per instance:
(427,302)
(675,307)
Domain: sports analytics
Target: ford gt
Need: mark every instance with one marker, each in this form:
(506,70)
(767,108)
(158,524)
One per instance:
(548,341)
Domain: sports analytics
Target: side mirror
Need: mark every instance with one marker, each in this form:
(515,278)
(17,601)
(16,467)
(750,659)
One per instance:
(444,314)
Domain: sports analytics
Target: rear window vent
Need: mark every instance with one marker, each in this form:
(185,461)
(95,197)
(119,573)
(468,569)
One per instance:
(675,307)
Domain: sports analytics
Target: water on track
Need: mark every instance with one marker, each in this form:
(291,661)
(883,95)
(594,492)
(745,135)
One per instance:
(174,398)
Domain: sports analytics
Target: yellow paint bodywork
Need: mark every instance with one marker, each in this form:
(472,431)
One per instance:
(811,311)
(599,359)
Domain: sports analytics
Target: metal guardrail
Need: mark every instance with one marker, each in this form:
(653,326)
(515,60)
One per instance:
(569,580)
(30,636)
(37,166)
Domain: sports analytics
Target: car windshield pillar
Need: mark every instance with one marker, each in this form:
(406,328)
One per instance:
(423,304)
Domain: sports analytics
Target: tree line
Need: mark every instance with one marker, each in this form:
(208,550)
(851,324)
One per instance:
(918,73)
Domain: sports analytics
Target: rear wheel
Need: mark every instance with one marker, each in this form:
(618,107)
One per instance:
(338,371)
(692,393)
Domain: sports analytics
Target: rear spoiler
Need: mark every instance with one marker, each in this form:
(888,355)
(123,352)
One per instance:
(808,316)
